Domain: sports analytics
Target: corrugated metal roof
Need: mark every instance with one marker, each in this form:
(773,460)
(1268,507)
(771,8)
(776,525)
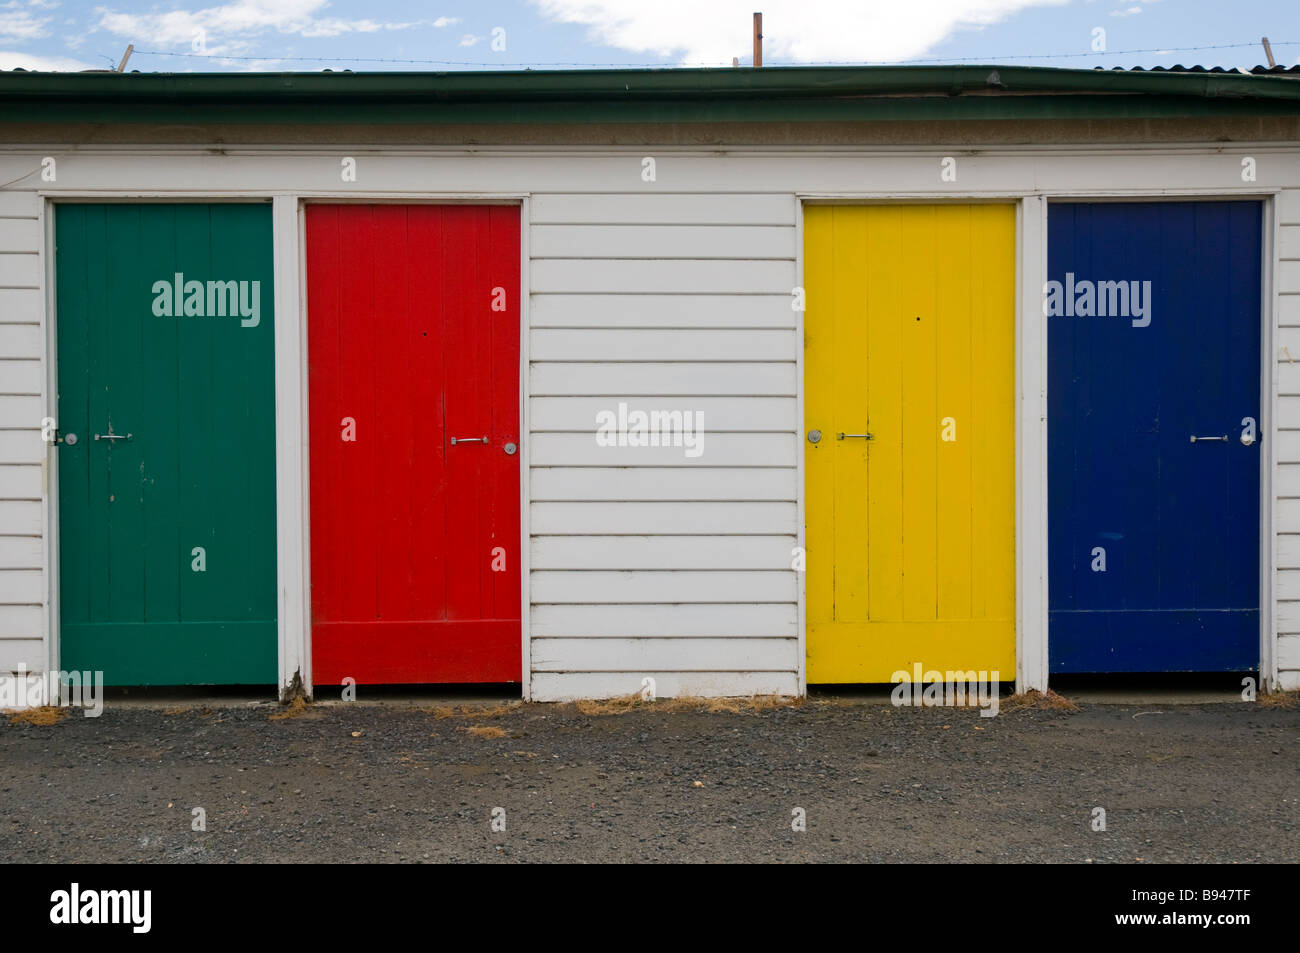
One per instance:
(1253,71)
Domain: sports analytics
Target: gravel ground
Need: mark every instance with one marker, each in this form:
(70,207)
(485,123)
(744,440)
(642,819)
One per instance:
(1207,783)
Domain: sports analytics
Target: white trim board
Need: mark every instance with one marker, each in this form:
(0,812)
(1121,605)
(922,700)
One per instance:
(1270,318)
(292,509)
(801,526)
(525,453)
(50,469)
(493,176)
(1031,448)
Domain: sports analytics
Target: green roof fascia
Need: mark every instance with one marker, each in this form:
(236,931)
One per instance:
(860,110)
(771,94)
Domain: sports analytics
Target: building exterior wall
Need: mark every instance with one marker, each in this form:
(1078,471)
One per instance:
(646,562)
(1285,541)
(24,489)
(668,294)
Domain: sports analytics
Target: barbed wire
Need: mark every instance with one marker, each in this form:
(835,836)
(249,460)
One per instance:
(526,65)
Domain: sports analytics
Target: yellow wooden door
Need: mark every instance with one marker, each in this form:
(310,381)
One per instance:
(909,336)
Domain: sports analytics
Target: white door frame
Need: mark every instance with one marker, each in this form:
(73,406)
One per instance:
(1269,312)
(293,416)
(1030,410)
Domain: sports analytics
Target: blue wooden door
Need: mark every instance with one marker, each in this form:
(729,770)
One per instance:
(1153,314)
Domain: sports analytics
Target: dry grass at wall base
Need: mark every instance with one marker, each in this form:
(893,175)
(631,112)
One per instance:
(687,703)
(485,731)
(472,711)
(1038,701)
(297,707)
(1289,699)
(42,715)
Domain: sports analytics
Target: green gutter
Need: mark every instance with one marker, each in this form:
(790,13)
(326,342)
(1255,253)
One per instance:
(668,95)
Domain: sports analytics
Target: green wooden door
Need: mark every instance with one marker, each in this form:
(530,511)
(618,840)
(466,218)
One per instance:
(167,521)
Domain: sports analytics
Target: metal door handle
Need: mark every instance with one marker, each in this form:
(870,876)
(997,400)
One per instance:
(1195,438)
(113,436)
(864,436)
(456,440)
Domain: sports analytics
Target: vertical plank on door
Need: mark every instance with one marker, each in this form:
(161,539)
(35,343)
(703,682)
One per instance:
(953,380)
(850,412)
(884,227)
(921,259)
(819,366)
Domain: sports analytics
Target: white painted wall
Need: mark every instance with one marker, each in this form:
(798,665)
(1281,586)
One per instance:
(1286,451)
(23,364)
(645,562)
(671,295)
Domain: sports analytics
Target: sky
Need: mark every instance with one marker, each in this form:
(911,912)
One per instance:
(310,35)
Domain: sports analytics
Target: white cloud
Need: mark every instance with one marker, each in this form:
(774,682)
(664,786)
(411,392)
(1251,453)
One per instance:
(1127,12)
(798,30)
(446,21)
(469,39)
(27,61)
(241,18)
(336,27)
(21,25)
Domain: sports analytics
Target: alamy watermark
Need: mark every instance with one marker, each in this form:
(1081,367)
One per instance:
(213,299)
(933,689)
(1098,299)
(83,689)
(76,905)
(652,428)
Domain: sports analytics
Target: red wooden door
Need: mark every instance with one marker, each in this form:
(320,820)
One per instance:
(413,341)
